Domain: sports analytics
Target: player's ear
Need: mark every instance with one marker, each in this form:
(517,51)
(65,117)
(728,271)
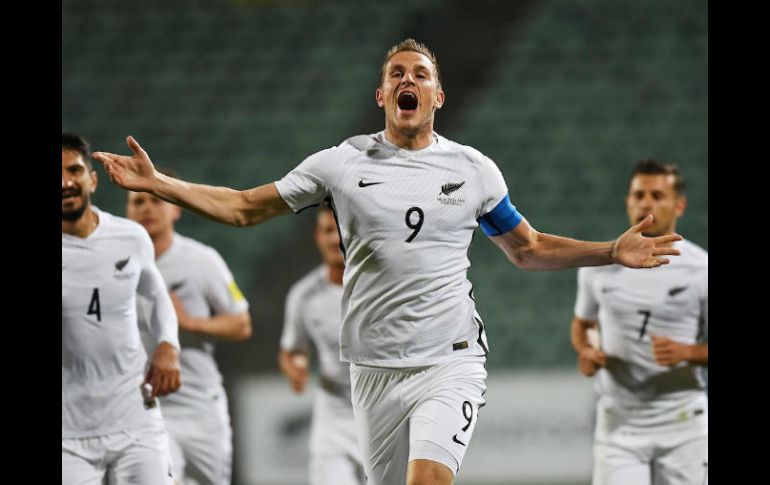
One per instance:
(681,205)
(94,180)
(176,212)
(440,97)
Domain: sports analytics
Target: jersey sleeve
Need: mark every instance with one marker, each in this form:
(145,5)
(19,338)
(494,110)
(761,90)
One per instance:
(586,304)
(294,336)
(492,184)
(161,316)
(143,312)
(309,183)
(222,293)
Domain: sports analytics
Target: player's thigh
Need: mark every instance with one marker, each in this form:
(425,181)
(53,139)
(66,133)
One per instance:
(77,469)
(442,423)
(384,439)
(145,460)
(385,460)
(382,422)
(335,469)
(686,464)
(207,448)
(616,465)
(209,463)
(176,456)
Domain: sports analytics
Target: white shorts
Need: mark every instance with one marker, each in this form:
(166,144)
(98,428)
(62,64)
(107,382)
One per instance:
(335,455)
(405,414)
(201,443)
(629,450)
(139,457)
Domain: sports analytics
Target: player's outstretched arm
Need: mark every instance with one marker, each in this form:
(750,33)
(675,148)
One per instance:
(221,204)
(537,251)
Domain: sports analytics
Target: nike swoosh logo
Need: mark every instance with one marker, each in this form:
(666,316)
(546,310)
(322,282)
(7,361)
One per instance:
(176,286)
(361,183)
(454,438)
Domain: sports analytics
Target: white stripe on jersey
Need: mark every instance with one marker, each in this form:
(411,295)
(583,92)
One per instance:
(406,220)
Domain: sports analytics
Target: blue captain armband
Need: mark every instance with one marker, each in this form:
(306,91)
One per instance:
(501,219)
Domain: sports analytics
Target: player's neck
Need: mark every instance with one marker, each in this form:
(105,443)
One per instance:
(162,242)
(334,273)
(82,227)
(410,139)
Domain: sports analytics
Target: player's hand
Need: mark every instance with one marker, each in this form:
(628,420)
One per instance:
(163,372)
(591,360)
(298,383)
(667,352)
(135,173)
(298,371)
(634,250)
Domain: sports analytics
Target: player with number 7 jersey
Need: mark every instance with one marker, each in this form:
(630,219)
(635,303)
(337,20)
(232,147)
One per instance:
(652,411)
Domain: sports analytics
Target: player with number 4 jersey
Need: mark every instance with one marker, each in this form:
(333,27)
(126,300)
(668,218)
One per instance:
(111,432)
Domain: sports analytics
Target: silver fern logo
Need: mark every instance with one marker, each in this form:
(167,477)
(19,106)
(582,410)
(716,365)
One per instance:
(119,265)
(448,189)
(675,291)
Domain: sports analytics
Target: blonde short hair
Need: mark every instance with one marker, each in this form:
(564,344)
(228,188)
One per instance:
(414,46)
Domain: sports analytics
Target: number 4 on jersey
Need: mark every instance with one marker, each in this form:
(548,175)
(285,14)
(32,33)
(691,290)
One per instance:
(94,308)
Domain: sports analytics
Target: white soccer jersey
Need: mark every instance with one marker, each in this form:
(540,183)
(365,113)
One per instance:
(631,304)
(313,314)
(199,276)
(406,220)
(103,360)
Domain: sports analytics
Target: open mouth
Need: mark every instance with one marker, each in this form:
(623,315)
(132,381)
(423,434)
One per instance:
(69,193)
(407,101)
